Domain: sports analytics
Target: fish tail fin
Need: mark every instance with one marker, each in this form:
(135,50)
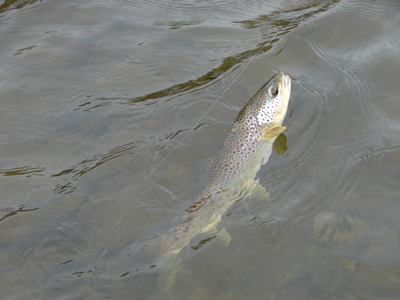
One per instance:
(169,266)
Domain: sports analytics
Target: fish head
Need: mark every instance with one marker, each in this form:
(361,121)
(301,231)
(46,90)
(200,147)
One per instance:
(270,105)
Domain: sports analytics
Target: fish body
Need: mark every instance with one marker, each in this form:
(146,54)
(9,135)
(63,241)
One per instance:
(231,173)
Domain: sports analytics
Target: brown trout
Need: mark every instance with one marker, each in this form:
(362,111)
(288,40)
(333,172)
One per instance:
(231,173)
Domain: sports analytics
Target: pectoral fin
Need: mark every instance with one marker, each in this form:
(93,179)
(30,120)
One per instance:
(259,192)
(256,191)
(274,131)
(224,237)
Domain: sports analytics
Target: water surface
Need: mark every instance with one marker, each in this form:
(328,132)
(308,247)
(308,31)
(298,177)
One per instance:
(96,94)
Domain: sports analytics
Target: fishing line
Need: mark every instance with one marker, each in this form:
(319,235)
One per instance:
(215,102)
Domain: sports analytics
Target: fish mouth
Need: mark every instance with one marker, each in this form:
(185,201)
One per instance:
(284,81)
(287,84)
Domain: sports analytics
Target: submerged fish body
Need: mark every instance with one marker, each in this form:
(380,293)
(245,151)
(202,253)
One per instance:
(231,173)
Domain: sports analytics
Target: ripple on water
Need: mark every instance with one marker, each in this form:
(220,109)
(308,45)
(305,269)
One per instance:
(358,64)
(6,212)
(197,6)
(71,175)
(350,133)
(372,12)
(356,72)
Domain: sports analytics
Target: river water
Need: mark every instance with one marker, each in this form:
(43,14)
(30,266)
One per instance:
(108,106)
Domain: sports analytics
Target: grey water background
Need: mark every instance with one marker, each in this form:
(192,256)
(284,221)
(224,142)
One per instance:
(96,94)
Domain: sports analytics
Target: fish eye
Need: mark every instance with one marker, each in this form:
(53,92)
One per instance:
(273,91)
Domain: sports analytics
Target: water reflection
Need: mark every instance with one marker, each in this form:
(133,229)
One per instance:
(83,167)
(15,4)
(28,171)
(12,211)
(273,25)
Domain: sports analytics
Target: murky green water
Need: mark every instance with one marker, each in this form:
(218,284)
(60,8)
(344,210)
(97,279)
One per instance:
(96,94)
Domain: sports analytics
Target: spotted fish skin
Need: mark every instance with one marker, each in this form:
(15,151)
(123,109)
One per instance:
(232,171)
